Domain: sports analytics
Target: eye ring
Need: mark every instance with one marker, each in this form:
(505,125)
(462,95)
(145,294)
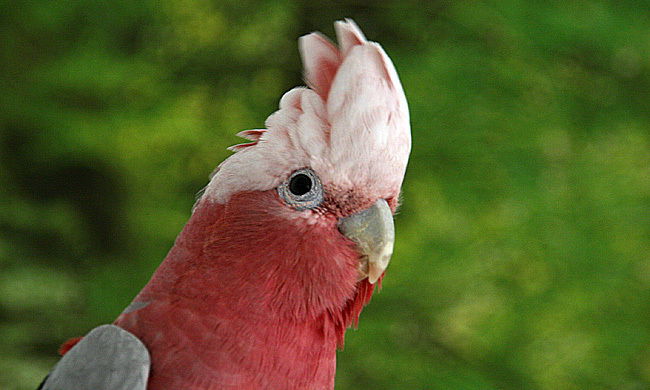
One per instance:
(302,190)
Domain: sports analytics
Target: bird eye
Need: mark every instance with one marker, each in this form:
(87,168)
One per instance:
(302,190)
(300,184)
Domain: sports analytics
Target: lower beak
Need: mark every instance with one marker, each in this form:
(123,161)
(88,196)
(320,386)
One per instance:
(374,233)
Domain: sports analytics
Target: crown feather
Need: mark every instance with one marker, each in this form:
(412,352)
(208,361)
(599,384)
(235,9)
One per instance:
(251,135)
(348,35)
(320,59)
(351,126)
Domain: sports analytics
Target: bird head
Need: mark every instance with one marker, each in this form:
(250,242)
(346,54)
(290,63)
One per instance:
(309,200)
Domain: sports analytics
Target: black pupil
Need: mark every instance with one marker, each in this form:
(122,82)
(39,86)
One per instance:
(300,184)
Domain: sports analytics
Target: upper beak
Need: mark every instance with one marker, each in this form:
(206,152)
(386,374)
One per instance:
(374,233)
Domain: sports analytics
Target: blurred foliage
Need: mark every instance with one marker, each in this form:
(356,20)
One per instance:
(522,259)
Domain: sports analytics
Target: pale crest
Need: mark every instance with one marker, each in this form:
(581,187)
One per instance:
(351,126)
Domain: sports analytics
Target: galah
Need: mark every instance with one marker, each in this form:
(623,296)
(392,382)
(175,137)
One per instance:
(283,249)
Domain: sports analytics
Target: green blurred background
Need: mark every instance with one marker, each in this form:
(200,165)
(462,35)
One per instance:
(522,259)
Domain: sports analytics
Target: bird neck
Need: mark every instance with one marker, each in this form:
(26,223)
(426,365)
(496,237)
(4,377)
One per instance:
(249,252)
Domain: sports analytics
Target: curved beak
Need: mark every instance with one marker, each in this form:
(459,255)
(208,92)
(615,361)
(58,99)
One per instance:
(374,233)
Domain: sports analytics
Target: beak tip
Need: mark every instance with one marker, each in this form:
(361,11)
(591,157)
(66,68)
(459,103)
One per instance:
(378,267)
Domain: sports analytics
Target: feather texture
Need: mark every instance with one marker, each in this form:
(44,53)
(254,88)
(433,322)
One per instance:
(351,126)
(246,300)
(108,358)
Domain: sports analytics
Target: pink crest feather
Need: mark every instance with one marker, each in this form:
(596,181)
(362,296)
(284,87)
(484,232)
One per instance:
(251,135)
(238,147)
(351,125)
(321,60)
(348,34)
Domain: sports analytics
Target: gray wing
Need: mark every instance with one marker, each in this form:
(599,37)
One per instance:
(107,358)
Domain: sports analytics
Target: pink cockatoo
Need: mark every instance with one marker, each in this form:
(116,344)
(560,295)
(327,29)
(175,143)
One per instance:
(283,249)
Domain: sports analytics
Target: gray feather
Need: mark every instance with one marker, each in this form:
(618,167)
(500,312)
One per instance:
(107,358)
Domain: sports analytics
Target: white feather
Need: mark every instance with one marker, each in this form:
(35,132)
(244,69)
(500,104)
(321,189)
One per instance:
(352,128)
